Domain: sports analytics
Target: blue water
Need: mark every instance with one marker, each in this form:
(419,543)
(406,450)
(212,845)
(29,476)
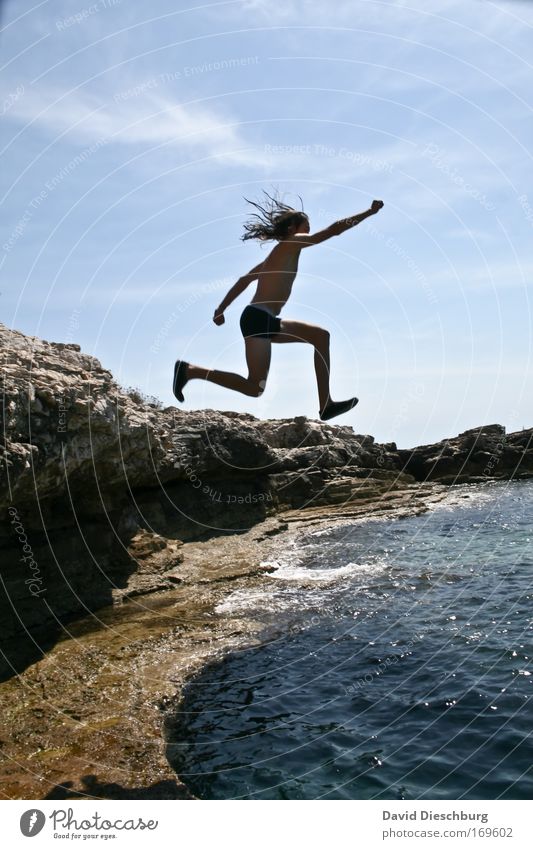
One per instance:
(396,664)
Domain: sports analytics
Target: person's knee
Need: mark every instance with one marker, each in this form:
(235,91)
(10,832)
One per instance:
(321,339)
(261,387)
(257,388)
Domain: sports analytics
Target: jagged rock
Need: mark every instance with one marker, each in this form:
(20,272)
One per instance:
(100,489)
(478,454)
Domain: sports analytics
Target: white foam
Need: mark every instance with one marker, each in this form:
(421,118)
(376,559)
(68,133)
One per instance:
(295,571)
(469,495)
(260,600)
(293,587)
(241,600)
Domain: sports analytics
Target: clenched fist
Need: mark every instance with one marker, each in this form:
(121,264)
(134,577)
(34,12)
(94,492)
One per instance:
(218,318)
(376,206)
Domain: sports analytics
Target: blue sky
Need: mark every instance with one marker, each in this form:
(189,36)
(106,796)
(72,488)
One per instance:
(130,134)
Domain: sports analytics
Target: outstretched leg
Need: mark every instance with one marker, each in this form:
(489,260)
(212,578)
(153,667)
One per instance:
(300,331)
(258,352)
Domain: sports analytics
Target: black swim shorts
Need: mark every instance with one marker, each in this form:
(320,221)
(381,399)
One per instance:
(258,322)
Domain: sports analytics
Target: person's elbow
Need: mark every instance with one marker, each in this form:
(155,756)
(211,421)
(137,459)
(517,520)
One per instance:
(307,240)
(333,230)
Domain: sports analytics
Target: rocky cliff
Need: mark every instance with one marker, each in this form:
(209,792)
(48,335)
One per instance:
(101,491)
(475,456)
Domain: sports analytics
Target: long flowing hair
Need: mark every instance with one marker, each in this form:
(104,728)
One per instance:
(272,219)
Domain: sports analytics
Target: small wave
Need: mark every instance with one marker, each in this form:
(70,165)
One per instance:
(260,601)
(472,495)
(294,577)
(241,601)
(301,574)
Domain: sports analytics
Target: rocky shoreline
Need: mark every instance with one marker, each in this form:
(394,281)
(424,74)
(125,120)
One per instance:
(127,524)
(88,720)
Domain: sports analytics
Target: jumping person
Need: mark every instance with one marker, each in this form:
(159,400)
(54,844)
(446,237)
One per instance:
(260,323)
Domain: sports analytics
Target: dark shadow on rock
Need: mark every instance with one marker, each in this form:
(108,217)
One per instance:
(81,551)
(92,788)
(218,507)
(74,561)
(19,653)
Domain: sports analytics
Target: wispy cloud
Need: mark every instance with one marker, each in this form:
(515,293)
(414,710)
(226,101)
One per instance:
(149,118)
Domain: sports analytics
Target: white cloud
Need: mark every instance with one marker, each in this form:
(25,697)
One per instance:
(148,118)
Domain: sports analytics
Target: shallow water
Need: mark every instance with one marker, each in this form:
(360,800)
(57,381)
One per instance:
(396,664)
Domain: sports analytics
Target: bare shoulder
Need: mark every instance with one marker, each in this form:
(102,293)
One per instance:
(289,246)
(282,250)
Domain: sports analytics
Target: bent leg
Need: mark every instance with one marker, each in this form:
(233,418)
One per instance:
(258,352)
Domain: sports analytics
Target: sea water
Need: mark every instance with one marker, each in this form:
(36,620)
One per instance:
(396,664)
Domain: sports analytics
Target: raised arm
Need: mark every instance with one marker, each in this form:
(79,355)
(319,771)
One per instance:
(235,291)
(338,227)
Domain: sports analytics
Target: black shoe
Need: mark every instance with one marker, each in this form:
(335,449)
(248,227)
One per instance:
(336,408)
(180,379)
